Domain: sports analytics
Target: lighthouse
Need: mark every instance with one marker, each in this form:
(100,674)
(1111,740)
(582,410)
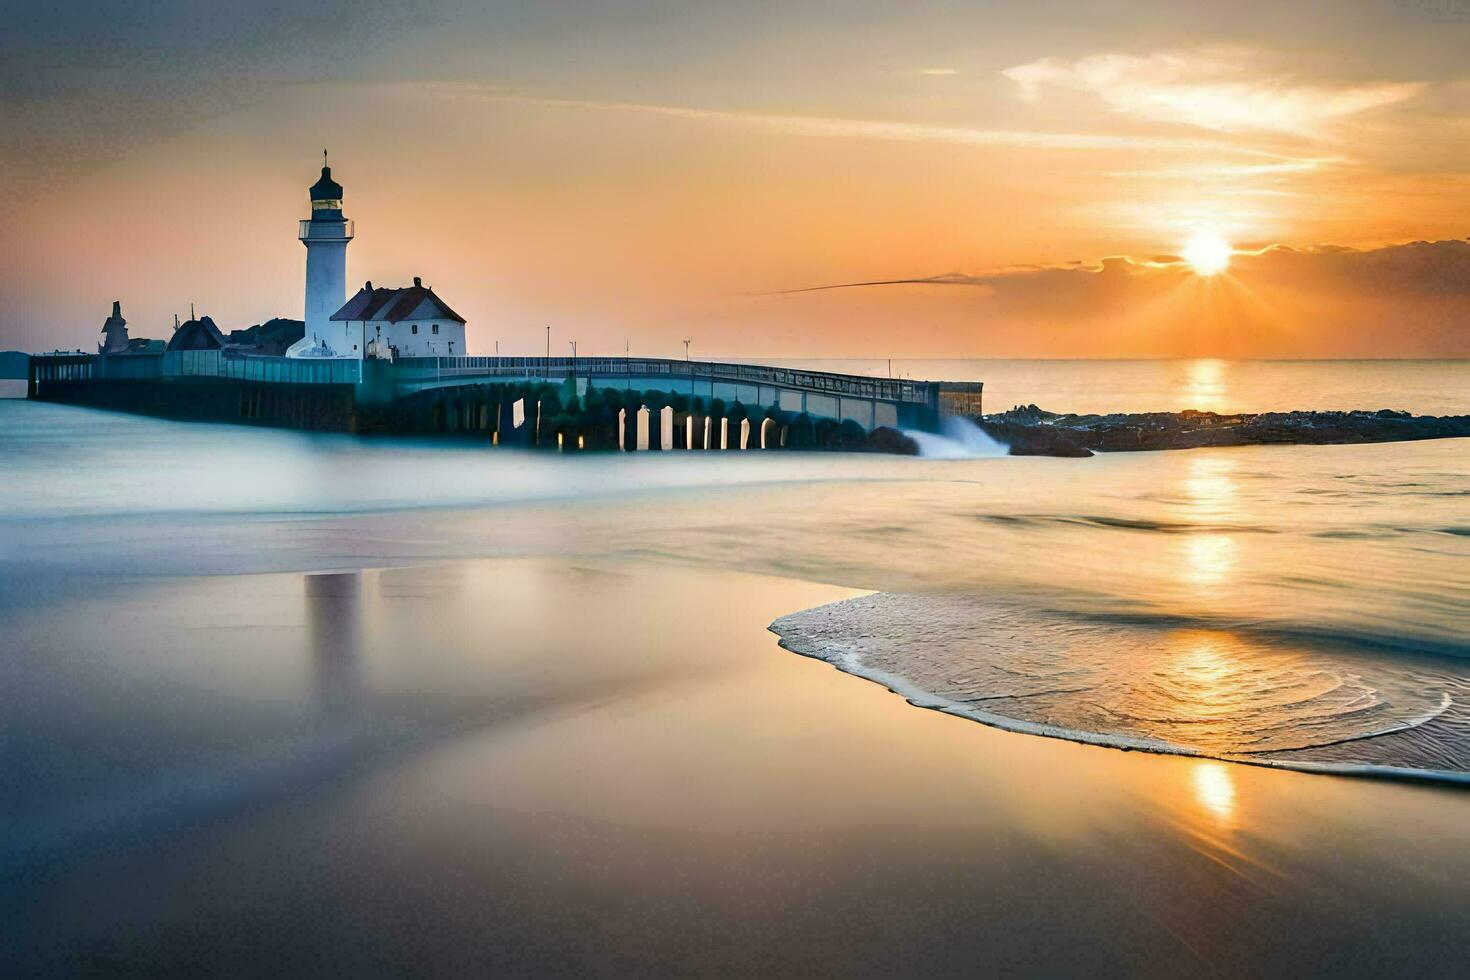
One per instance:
(325,235)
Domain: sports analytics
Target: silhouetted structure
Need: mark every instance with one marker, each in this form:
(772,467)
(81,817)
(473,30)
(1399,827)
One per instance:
(199,334)
(114,332)
(273,337)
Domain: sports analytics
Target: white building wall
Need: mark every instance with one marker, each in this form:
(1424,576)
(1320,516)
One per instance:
(345,338)
(412,338)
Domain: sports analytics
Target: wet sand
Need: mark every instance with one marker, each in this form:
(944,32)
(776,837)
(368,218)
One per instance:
(612,767)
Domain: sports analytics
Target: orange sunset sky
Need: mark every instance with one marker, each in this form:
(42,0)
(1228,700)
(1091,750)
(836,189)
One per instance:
(642,173)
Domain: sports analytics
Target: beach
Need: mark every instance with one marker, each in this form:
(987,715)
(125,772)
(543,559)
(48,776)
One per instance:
(550,764)
(751,490)
(278,702)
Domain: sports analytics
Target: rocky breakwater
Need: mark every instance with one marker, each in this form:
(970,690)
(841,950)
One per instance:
(1031,431)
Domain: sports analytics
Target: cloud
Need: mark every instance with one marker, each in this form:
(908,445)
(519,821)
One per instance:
(838,127)
(1409,300)
(1411,271)
(947,279)
(1223,89)
(1420,268)
(1235,171)
(84,85)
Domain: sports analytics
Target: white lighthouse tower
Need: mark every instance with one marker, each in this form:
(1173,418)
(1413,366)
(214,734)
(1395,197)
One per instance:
(325,235)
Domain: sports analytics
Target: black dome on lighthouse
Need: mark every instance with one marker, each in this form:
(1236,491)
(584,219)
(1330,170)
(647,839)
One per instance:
(326,189)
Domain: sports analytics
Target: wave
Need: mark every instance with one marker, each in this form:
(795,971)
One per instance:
(925,699)
(1108,522)
(1189,691)
(1112,523)
(1390,641)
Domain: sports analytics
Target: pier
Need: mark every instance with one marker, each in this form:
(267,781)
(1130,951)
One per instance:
(392,359)
(471,394)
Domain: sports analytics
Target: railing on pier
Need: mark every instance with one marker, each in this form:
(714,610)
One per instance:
(290,370)
(63,366)
(410,373)
(228,364)
(855,385)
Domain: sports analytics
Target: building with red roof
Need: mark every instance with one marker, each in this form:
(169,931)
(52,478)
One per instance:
(408,321)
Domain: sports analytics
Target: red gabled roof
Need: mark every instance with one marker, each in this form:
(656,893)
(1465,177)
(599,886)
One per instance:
(394,305)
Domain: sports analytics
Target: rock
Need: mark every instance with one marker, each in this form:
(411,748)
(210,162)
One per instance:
(1029,439)
(1031,431)
(1031,414)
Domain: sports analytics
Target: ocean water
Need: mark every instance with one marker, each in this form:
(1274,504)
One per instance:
(1422,387)
(1303,606)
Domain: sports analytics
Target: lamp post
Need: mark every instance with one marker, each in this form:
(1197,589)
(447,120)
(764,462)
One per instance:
(687,368)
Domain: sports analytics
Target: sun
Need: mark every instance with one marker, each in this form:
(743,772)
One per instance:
(1207,253)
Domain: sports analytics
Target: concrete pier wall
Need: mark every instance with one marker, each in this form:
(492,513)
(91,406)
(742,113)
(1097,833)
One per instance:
(327,408)
(493,400)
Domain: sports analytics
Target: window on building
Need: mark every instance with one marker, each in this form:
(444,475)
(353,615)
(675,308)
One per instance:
(415,328)
(436,328)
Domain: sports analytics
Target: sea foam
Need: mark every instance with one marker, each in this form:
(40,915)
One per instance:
(957,438)
(1326,704)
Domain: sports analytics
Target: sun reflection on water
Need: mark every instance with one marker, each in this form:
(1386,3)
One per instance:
(1203,664)
(1204,385)
(1214,791)
(1197,688)
(1208,558)
(1209,499)
(1209,487)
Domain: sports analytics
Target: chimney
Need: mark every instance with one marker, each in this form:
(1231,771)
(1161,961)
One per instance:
(418,283)
(368,285)
(117,308)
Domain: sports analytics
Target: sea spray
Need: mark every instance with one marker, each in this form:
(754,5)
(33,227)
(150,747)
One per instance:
(957,438)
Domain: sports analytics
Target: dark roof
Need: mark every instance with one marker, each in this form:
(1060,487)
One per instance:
(200,334)
(394,305)
(274,336)
(326,189)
